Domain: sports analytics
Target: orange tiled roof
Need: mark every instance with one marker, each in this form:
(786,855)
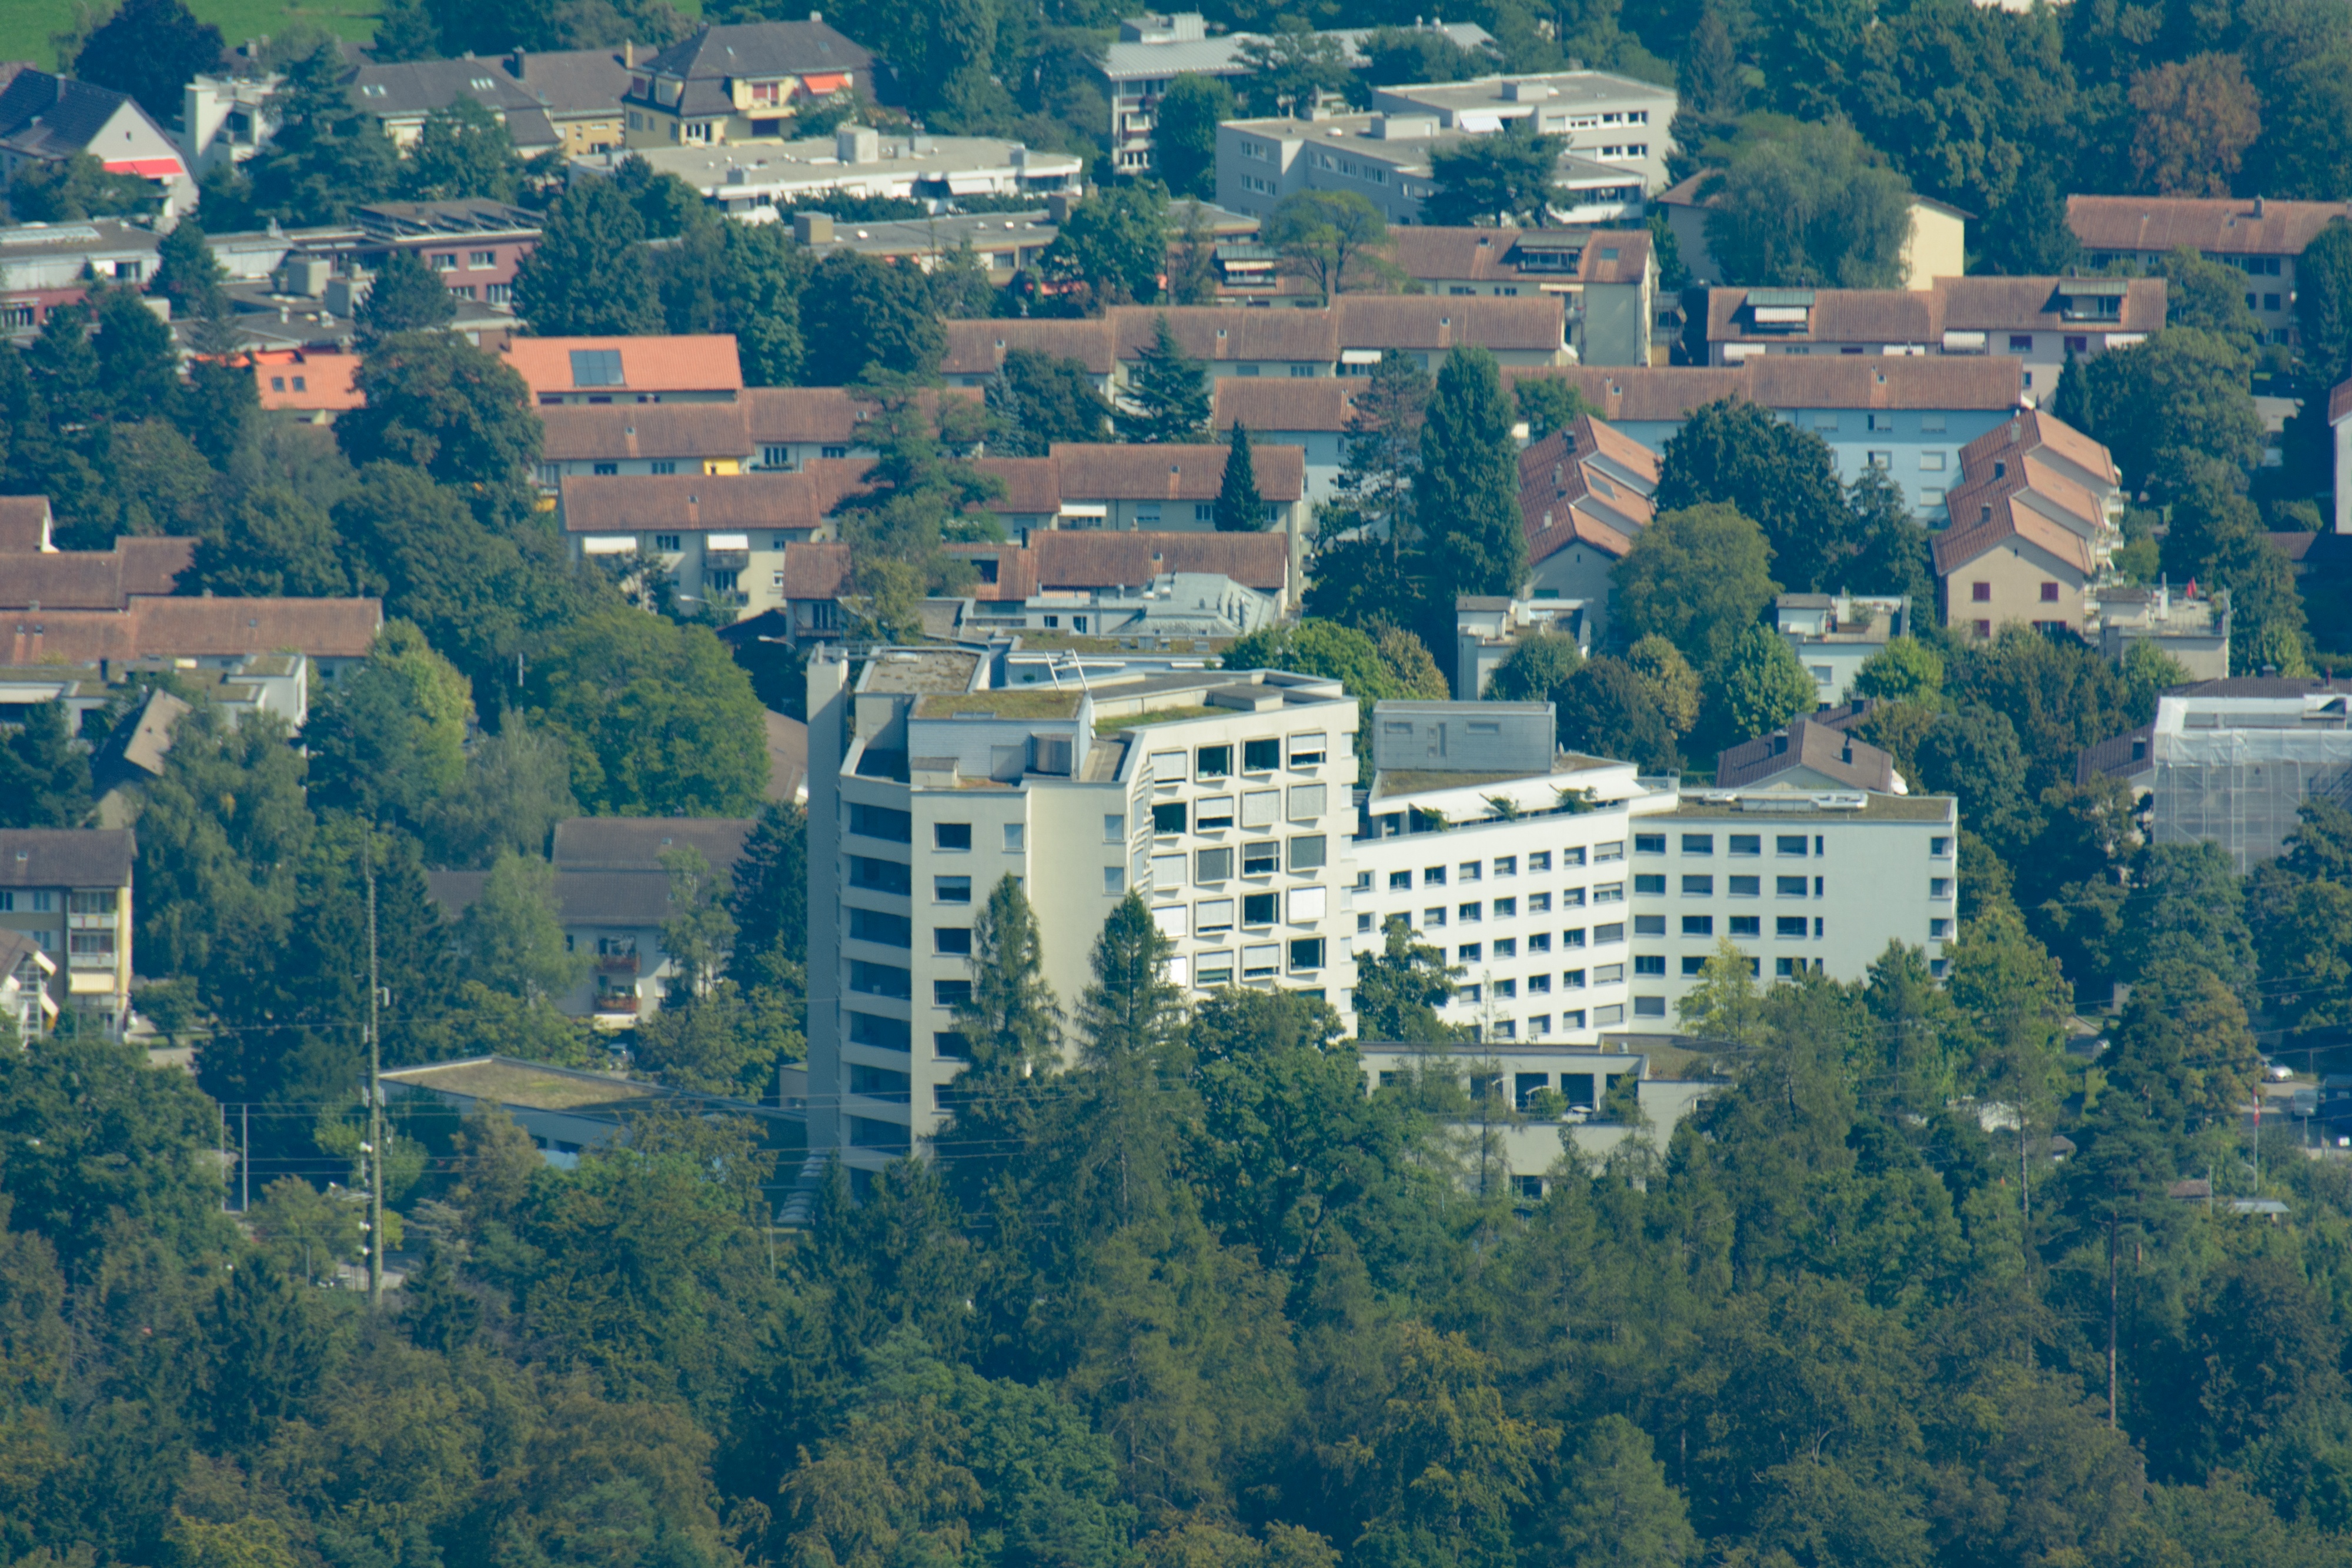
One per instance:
(703,362)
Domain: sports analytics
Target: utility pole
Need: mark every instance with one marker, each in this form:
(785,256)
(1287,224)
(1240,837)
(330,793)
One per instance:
(2113,1221)
(244,1157)
(375,1106)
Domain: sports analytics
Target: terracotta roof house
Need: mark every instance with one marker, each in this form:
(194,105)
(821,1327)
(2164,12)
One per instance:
(788,426)
(2260,237)
(737,83)
(725,539)
(47,119)
(1075,562)
(599,370)
(318,383)
(1311,415)
(642,438)
(218,633)
(1808,755)
(93,580)
(1609,276)
(1584,494)
(976,349)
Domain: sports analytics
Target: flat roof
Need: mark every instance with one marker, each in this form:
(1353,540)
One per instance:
(910,671)
(505,1081)
(1763,809)
(774,166)
(1566,88)
(1412,152)
(1025,702)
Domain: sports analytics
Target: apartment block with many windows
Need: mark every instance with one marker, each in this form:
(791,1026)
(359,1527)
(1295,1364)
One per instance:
(68,890)
(1220,796)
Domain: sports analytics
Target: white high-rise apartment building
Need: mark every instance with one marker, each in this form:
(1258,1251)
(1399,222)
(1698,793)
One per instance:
(1223,797)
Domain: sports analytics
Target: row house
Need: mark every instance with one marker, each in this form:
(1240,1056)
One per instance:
(1584,494)
(2260,237)
(724,540)
(2043,321)
(765,429)
(473,244)
(597,372)
(220,636)
(1608,277)
(739,83)
(66,893)
(1908,417)
(2033,523)
(1346,338)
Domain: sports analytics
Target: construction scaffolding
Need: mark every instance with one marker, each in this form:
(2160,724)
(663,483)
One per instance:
(2242,788)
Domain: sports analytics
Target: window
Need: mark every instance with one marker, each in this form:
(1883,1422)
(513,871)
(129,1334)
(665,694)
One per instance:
(1509,947)
(951,993)
(1539,943)
(721,580)
(1571,980)
(1539,903)
(1571,858)
(1261,859)
(1261,908)
(1214,969)
(1306,750)
(1539,862)
(1505,990)
(1212,865)
(1571,898)
(1433,876)
(1605,934)
(1649,925)
(1788,887)
(1649,844)
(1114,828)
(953,940)
(446,261)
(1016,835)
(1747,926)
(1615,850)
(832,451)
(1931,462)
(951,835)
(1400,880)
(1473,870)
(1935,847)
(874,926)
(1572,938)
(1507,908)
(1649,964)
(1168,817)
(612,468)
(1212,914)
(951,890)
(661,466)
(1789,844)
(1213,811)
(1698,887)
(1789,926)
(1470,952)
(1306,953)
(1984,628)
(1650,883)
(881,876)
(2049,593)
(278,383)
(1261,808)
(1213,762)
(1747,844)
(482,258)
(1114,880)
(880,823)
(878,1083)
(1878,422)
(1698,924)
(1698,843)
(1433,919)
(1609,893)
(1467,913)
(1882,460)
(1204,512)
(1308,851)
(1261,755)
(1981,593)
(1746,886)
(1693,965)
(1939,887)
(2020,342)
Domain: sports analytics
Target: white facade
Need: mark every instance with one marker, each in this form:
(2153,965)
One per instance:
(752,179)
(1385,159)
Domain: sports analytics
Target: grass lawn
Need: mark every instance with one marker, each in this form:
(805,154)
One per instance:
(26,26)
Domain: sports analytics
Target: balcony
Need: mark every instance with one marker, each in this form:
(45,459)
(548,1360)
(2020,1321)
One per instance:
(618,964)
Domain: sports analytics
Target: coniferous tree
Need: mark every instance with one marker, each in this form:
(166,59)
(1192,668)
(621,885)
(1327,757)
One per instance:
(407,296)
(1167,397)
(587,275)
(1467,490)
(1041,399)
(1122,1152)
(1240,508)
(44,775)
(186,272)
(149,49)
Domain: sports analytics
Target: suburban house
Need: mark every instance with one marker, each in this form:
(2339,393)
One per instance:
(2260,237)
(1153,50)
(1834,634)
(44,265)
(1584,494)
(1387,158)
(47,119)
(788,427)
(599,370)
(723,537)
(314,384)
(224,635)
(649,438)
(753,178)
(1003,243)
(1808,755)
(1608,277)
(1488,629)
(612,896)
(580,91)
(1173,487)
(1937,247)
(739,83)
(68,890)
(2014,566)
(1906,417)
(399,96)
(27,978)
(2043,321)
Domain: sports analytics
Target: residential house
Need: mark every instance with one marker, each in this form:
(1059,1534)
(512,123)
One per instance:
(641,438)
(1599,116)
(724,538)
(976,349)
(226,119)
(44,265)
(1174,488)
(1003,243)
(313,384)
(2033,523)
(1488,629)
(580,91)
(740,83)
(46,120)
(1584,494)
(2258,236)
(28,977)
(198,634)
(1807,756)
(1609,279)
(612,894)
(788,427)
(2043,321)
(69,890)
(599,370)
(473,245)
(38,575)
(1834,634)
(1936,247)
(399,96)
(1153,50)
(1906,417)
(1387,160)
(567,1112)
(1312,417)
(2191,629)
(752,180)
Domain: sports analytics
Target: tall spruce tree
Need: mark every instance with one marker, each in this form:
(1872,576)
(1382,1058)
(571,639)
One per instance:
(1467,493)
(1240,508)
(405,298)
(1167,398)
(1134,1060)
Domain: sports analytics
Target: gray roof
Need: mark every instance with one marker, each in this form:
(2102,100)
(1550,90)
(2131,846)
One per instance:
(635,843)
(419,87)
(1222,56)
(54,116)
(573,81)
(66,857)
(582,897)
(15,947)
(1813,747)
(760,49)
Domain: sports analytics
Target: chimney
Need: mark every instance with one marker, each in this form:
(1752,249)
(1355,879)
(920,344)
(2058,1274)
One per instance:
(514,64)
(629,54)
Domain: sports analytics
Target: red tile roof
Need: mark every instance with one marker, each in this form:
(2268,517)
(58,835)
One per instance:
(584,433)
(194,628)
(1819,747)
(978,348)
(1171,473)
(2031,430)
(829,416)
(1565,500)
(1625,392)
(705,363)
(1032,486)
(24,524)
(817,571)
(324,377)
(1016,571)
(1323,402)
(1954,548)
(1098,558)
(697,503)
(2227,225)
(93,580)
(1924,315)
